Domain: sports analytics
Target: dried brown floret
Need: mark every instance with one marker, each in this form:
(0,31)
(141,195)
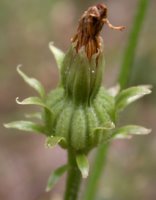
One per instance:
(89,28)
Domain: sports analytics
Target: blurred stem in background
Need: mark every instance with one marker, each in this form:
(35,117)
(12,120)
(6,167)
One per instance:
(123,79)
(129,55)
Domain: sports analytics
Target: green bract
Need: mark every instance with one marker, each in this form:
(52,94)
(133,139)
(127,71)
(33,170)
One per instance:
(81,77)
(79,114)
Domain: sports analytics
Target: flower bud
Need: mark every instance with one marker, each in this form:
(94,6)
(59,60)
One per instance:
(83,113)
(81,76)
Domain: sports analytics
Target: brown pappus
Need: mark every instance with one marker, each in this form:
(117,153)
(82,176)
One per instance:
(89,28)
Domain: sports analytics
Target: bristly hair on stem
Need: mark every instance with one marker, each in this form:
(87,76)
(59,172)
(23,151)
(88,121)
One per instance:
(89,28)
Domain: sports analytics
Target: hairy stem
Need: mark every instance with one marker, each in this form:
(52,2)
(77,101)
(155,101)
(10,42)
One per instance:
(124,77)
(73,178)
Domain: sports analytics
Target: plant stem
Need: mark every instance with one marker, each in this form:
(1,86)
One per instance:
(124,77)
(127,63)
(73,178)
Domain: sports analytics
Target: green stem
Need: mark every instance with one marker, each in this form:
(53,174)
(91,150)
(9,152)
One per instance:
(73,178)
(124,77)
(129,55)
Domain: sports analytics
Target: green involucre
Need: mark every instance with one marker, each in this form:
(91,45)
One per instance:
(79,114)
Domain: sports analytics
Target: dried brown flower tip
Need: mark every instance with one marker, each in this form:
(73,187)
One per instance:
(90,25)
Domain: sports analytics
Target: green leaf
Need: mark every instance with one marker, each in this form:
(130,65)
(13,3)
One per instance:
(83,164)
(53,140)
(58,54)
(33,101)
(55,176)
(26,126)
(129,130)
(131,94)
(32,82)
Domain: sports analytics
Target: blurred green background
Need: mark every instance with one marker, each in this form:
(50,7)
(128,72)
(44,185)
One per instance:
(26,28)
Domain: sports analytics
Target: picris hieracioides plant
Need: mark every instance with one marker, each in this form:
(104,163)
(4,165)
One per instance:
(80,114)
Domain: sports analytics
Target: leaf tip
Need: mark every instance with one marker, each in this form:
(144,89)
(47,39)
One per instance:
(146,131)
(17,100)
(6,125)
(83,165)
(85,174)
(18,68)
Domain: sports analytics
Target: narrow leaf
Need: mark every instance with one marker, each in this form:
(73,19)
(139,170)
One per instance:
(32,82)
(55,176)
(33,101)
(26,126)
(129,130)
(83,164)
(58,54)
(53,141)
(131,94)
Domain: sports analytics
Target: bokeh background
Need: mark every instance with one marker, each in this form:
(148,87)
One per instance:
(26,28)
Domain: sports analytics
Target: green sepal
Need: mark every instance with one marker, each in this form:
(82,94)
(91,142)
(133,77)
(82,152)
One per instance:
(129,130)
(52,141)
(96,73)
(58,54)
(78,81)
(104,132)
(83,164)
(33,101)
(81,76)
(32,82)
(130,95)
(26,126)
(55,176)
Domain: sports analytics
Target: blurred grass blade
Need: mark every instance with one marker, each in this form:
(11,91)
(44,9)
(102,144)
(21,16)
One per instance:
(128,59)
(33,101)
(128,131)
(130,95)
(83,164)
(26,126)
(58,54)
(55,176)
(32,82)
(96,172)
